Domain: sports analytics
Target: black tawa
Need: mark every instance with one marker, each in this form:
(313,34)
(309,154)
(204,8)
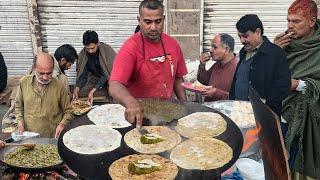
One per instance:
(95,167)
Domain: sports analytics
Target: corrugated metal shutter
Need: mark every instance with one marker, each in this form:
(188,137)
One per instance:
(15,39)
(65,21)
(220,16)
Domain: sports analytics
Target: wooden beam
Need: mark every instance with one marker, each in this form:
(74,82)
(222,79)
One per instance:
(35,28)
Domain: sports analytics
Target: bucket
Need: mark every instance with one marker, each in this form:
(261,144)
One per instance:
(250,169)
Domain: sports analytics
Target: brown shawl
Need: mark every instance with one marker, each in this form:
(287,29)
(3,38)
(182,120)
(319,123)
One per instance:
(106,58)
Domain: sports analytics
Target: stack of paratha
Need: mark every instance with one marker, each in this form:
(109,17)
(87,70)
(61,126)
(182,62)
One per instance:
(171,139)
(197,85)
(201,153)
(92,139)
(111,115)
(119,170)
(201,124)
(80,107)
(240,112)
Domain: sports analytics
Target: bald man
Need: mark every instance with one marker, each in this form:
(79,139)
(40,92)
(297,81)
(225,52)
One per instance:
(42,102)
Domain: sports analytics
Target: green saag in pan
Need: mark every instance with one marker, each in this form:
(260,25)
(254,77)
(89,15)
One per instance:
(42,155)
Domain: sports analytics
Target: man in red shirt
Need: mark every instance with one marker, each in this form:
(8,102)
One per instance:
(220,75)
(150,64)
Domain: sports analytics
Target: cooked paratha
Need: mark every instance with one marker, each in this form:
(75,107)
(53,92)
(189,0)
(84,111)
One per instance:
(92,139)
(111,115)
(80,107)
(197,85)
(240,112)
(132,139)
(201,153)
(201,124)
(119,170)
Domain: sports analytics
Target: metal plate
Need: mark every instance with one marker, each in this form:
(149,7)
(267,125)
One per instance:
(96,166)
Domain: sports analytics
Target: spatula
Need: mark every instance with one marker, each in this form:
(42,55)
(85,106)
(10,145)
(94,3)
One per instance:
(142,130)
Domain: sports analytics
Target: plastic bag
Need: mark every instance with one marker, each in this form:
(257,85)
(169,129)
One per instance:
(25,135)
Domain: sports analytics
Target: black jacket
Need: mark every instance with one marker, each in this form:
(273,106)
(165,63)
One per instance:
(269,75)
(3,73)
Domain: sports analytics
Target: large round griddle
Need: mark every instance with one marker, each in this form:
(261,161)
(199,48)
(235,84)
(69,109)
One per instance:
(96,166)
(35,140)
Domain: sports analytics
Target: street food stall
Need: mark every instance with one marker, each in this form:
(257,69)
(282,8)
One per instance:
(175,159)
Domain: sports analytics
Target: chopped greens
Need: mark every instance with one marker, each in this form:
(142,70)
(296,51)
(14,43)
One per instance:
(42,155)
(145,166)
(163,110)
(151,138)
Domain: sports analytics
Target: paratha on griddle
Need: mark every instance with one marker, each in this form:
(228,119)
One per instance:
(92,139)
(171,139)
(201,124)
(201,153)
(119,169)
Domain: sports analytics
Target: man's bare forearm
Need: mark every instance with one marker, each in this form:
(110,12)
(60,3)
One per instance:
(179,90)
(120,93)
(133,112)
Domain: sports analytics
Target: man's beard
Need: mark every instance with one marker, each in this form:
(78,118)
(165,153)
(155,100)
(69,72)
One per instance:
(43,82)
(96,54)
(63,68)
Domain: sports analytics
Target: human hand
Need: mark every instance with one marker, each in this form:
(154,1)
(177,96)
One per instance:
(75,94)
(90,96)
(209,92)
(2,144)
(59,129)
(282,39)
(134,113)
(294,84)
(204,58)
(20,128)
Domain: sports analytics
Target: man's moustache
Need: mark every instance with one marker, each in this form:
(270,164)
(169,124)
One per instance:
(43,82)
(153,32)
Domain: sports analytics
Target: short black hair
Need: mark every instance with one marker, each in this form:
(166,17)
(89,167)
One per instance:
(66,51)
(227,40)
(90,37)
(151,4)
(249,22)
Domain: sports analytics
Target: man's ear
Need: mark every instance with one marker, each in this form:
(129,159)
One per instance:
(227,48)
(138,18)
(312,21)
(258,30)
